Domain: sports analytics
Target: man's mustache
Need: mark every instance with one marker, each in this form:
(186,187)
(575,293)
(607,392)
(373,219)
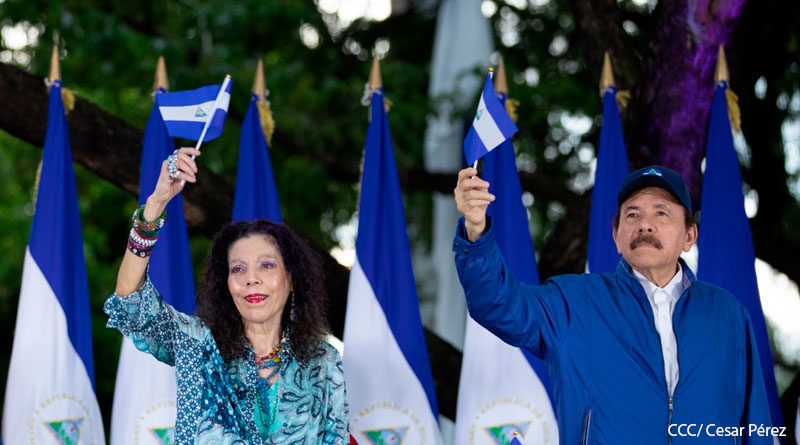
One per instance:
(646,238)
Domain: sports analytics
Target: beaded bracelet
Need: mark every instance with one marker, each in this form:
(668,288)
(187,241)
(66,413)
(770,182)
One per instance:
(143,235)
(147,228)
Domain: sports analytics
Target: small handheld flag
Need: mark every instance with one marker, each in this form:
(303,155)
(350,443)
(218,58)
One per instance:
(196,114)
(490,127)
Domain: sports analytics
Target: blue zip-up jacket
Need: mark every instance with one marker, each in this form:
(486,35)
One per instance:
(597,335)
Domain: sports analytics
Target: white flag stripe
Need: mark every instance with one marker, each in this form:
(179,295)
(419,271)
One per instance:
(47,380)
(372,357)
(486,127)
(494,374)
(188,112)
(223,100)
(145,396)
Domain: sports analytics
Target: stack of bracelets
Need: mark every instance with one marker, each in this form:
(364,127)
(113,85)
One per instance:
(144,234)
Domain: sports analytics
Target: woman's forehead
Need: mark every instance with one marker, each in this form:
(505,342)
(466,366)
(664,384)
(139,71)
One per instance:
(253,245)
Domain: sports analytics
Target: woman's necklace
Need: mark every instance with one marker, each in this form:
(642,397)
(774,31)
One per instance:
(271,360)
(266,413)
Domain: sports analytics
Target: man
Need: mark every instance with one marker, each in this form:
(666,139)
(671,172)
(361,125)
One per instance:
(645,354)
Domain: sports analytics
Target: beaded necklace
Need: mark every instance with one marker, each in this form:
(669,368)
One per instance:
(267,400)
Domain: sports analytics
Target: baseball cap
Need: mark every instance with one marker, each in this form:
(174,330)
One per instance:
(656,176)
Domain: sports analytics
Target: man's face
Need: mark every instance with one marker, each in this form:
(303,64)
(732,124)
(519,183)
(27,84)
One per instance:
(652,231)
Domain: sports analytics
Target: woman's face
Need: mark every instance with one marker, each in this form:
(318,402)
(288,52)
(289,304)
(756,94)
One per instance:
(257,280)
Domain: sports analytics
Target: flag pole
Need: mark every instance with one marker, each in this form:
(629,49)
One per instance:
(210,116)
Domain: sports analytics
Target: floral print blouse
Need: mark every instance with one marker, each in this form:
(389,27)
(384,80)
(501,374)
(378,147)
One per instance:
(216,401)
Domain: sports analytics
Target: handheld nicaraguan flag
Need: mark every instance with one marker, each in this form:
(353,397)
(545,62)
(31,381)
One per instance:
(50,395)
(612,167)
(187,114)
(256,195)
(725,246)
(504,389)
(490,127)
(390,384)
(144,398)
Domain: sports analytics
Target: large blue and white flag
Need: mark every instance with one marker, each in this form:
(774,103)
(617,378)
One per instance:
(188,114)
(50,394)
(144,398)
(389,379)
(256,195)
(725,246)
(612,167)
(504,389)
(490,127)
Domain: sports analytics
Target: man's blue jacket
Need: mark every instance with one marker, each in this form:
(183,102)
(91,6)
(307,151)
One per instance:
(597,335)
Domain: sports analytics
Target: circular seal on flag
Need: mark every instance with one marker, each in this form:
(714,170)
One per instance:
(156,424)
(65,419)
(389,423)
(494,425)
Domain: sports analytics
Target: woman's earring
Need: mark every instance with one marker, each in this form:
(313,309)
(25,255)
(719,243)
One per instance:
(292,314)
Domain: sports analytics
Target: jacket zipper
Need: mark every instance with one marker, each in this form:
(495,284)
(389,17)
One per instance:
(669,422)
(587,422)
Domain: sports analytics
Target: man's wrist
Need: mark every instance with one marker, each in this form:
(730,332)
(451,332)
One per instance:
(474,231)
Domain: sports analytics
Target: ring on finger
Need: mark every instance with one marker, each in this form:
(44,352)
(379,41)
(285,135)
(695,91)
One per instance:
(172,169)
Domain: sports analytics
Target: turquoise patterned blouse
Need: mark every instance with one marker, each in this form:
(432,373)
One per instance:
(217,402)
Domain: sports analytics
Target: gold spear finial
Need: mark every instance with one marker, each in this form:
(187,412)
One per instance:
(264,109)
(500,80)
(55,67)
(375,80)
(259,85)
(721,73)
(67,96)
(607,74)
(160,80)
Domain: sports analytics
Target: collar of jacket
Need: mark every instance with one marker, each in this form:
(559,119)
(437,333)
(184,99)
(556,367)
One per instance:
(625,274)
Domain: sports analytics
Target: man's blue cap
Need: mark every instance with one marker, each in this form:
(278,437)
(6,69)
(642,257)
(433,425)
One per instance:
(656,176)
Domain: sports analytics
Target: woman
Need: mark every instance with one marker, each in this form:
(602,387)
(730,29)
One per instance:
(251,366)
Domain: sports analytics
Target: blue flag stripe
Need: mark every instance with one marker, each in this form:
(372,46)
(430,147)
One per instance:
(256,195)
(188,97)
(726,256)
(170,263)
(56,241)
(612,167)
(382,247)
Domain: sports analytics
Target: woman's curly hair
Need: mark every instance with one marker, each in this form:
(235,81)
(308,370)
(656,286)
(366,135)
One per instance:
(303,266)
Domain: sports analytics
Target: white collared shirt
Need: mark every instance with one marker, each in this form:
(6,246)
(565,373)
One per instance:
(662,301)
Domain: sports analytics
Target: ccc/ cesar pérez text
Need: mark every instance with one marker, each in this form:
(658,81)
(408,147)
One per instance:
(712,430)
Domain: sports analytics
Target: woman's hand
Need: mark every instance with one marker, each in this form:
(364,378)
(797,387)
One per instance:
(472,198)
(168,187)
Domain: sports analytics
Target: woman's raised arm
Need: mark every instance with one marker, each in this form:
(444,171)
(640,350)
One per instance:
(179,167)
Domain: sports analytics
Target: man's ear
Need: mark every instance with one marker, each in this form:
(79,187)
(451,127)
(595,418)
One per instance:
(691,237)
